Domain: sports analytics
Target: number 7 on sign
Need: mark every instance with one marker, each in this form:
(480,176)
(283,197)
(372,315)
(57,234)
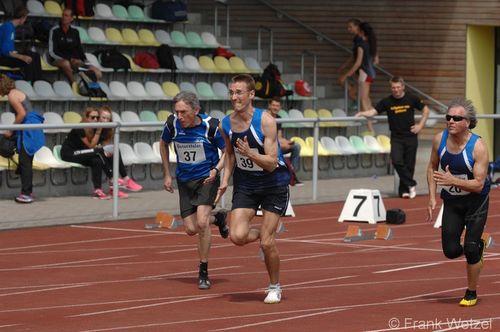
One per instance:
(363,205)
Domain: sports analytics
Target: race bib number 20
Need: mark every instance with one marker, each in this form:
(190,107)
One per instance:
(190,153)
(455,191)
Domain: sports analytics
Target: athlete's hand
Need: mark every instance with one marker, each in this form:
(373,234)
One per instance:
(167,184)
(416,128)
(243,147)
(444,179)
(430,209)
(220,191)
(211,176)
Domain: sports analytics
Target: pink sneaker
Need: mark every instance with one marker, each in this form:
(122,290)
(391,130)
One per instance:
(132,185)
(99,194)
(121,194)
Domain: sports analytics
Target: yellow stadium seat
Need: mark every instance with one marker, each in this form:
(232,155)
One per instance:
(163,115)
(72,117)
(147,37)
(130,37)
(385,142)
(114,35)
(222,64)
(207,64)
(170,88)
(238,65)
(325,113)
(321,149)
(305,150)
(53,8)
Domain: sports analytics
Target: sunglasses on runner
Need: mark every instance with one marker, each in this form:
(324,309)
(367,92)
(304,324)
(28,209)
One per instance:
(456,118)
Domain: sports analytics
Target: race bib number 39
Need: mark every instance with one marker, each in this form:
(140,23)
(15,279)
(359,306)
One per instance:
(455,191)
(245,163)
(190,153)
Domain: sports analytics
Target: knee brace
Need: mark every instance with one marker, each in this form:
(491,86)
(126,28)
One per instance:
(472,252)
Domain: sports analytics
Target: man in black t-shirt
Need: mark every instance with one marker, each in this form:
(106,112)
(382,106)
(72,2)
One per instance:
(400,108)
(65,48)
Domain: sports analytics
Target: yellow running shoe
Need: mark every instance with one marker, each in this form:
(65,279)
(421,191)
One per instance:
(469,299)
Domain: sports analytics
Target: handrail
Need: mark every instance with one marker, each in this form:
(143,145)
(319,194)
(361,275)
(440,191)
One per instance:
(259,43)
(321,36)
(302,60)
(216,18)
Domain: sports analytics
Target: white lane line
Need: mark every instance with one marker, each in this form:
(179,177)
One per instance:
(306,257)
(408,267)
(142,306)
(82,261)
(427,294)
(79,242)
(316,281)
(454,324)
(279,320)
(44,290)
(134,230)
(186,272)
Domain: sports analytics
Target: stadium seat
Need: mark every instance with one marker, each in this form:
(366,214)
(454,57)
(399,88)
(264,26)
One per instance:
(154,89)
(172,156)
(26,87)
(309,113)
(305,150)
(179,39)
(330,145)
(217,114)
(325,113)
(133,66)
(45,156)
(337,112)
(238,65)
(72,117)
(145,152)
(103,11)
(120,12)
(128,155)
(220,90)
(296,114)
(56,151)
(163,37)
(97,35)
(136,13)
(373,144)
(345,145)
(191,63)
(207,64)
(284,115)
(44,90)
(170,88)
(120,91)
(179,63)
(253,65)
(52,8)
(194,40)
(431,122)
(137,91)
(46,66)
(54,118)
(209,39)
(92,59)
(188,86)
(7,118)
(360,146)
(84,36)
(149,116)
(114,35)
(63,90)
(163,115)
(222,64)
(321,149)
(205,91)
(147,37)
(131,116)
(385,143)
(36,8)
(130,37)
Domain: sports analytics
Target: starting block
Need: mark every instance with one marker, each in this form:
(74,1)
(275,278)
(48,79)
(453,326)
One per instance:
(354,233)
(164,220)
(363,205)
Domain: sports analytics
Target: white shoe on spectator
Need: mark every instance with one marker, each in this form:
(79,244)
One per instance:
(413,192)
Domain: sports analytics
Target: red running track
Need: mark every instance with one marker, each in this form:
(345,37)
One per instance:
(118,276)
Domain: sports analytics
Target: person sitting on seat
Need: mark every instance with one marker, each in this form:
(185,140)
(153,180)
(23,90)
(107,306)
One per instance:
(27,60)
(65,48)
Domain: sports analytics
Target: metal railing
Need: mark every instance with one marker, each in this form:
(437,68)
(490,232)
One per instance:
(259,43)
(222,3)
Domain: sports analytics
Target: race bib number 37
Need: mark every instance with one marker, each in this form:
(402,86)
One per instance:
(246,163)
(190,153)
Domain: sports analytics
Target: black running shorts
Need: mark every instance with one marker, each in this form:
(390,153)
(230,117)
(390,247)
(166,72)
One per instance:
(195,193)
(270,199)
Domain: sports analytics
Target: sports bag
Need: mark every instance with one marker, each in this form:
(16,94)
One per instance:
(146,60)
(111,58)
(7,146)
(83,8)
(269,84)
(169,10)
(303,88)
(395,216)
(88,85)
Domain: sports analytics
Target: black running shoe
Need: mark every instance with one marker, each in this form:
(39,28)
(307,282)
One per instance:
(220,221)
(204,283)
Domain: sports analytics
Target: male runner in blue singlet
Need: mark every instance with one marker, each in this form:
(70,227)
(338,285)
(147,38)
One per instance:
(197,141)
(260,176)
(463,159)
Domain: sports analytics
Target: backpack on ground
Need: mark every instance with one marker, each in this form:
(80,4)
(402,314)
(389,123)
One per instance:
(83,8)
(88,85)
(111,58)
(269,84)
(146,60)
(169,10)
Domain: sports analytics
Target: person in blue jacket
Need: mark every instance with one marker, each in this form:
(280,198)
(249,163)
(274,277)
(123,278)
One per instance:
(27,60)
(197,141)
(28,141)
(459,164)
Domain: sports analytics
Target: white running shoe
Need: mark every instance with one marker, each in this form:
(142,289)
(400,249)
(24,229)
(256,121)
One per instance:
(273,295)
(413,192)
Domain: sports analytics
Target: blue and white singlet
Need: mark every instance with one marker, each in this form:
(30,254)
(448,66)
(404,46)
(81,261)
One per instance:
(461,165)
(248,174)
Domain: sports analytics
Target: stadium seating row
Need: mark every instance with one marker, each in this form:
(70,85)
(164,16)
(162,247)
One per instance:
(343,146)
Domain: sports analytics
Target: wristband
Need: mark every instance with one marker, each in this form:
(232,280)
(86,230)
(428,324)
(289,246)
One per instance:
(216,170)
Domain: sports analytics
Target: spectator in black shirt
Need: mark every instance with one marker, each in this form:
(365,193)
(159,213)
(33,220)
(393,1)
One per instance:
(65,48)
(400,108)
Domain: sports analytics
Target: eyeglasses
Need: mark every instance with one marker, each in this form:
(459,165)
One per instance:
(94,117)
(238,93)
(456,118)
